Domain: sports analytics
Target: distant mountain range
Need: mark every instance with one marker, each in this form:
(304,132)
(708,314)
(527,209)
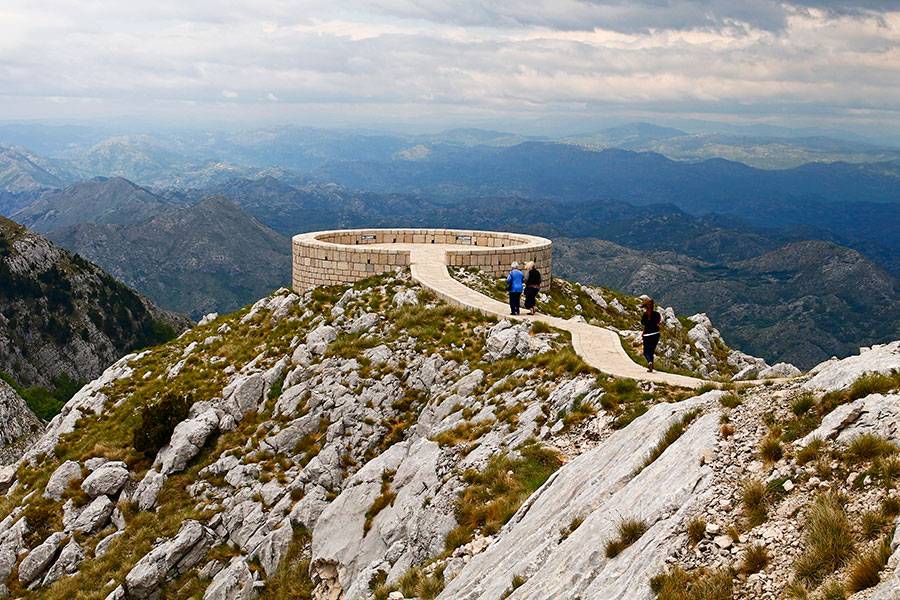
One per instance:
(62,317)
(803,302)
(206,257)
(151,209)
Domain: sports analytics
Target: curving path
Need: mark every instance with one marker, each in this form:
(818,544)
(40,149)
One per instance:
(599,347)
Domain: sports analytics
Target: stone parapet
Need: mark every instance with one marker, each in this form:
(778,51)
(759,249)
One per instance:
(346,256)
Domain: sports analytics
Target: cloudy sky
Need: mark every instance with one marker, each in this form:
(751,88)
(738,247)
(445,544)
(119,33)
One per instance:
(520,64)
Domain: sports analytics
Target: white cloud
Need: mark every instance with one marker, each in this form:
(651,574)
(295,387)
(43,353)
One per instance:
(498,59)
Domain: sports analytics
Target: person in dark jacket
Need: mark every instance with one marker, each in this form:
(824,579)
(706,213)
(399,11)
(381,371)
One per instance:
(532,286)
(515,283)
(650,320)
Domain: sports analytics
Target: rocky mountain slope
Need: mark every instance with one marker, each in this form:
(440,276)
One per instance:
(63,317)
(373,442)
(100,200)
(21,171)
(803,302)
(192,259)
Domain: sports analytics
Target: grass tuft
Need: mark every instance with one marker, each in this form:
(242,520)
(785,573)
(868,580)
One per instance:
(630,531)
(828,540)
(756,557)
(865,570)
(755,499)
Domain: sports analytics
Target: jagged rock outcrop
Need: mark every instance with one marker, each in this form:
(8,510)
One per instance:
(355,459)
(19,427)
(355,546)
(168,560)
(601,487)
(507,339)
(837,374)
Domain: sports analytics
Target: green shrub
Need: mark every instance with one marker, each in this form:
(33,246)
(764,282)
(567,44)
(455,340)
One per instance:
(770,449)
(696,529)
(810,452)
(803,403)
(869,446)
(158,421)
(730,401)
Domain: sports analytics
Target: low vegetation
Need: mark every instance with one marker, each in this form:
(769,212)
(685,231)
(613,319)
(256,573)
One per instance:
(702,584)
(629,531)
(865,570)
(492,496)
(755,559)
(755,499)
(828,540)
(291,580)
(384,499)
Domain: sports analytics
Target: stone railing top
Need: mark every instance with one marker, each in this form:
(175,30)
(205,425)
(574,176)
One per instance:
(467,239)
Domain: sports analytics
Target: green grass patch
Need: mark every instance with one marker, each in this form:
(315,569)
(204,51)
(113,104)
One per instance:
(492,496)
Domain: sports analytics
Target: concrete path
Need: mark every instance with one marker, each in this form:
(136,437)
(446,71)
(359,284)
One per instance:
(599,347)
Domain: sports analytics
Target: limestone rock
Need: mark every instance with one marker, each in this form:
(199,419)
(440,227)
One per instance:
(840,374)
(404,533)
(36,563)
(878,414)
(105,481)
(94,516)
(103,545)
(505,339)
(187,439)
(234,582)
(207,319)
(168,560)
(243,395)
(779,370)
(406,298)
(67,563)
(148,489)
(318,339)
(18,425)
(600,487)
(59,481)
(364,323)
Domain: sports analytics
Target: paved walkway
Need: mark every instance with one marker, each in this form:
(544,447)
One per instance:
(599,347)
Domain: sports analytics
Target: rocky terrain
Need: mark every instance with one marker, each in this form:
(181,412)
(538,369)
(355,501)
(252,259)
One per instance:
(101,200)
(373,442)
(62,317)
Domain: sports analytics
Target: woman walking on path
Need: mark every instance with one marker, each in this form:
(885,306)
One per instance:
(650,320)
(515,282)
(532,286)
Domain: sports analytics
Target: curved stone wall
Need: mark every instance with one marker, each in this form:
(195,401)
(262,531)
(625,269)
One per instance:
(346,256)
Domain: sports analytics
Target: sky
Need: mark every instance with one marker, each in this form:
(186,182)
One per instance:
(530,66)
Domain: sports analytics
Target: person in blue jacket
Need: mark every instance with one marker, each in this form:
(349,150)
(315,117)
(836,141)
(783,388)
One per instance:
(515,283)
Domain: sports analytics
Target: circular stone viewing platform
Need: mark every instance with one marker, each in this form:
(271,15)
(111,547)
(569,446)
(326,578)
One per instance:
(349,255)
